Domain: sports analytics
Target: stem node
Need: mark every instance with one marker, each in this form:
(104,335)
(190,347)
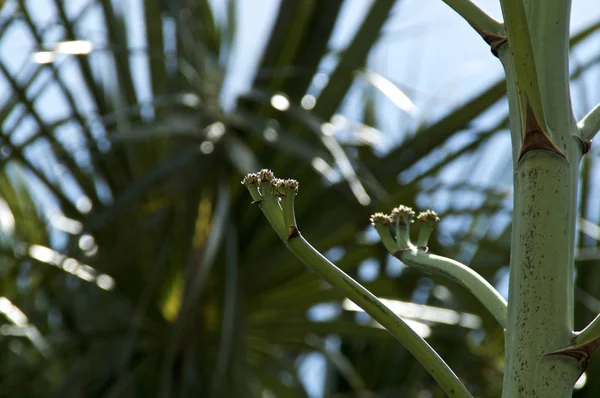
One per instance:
(535,136)
(586,145)
(293,233)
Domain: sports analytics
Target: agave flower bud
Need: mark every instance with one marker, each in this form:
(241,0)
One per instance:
(250,181)
(265,183)
(290,190)
(250,178)
(265,175)
(291,185)
(403,215)
(380,218)
(279,185)
(428,219)
(383,224)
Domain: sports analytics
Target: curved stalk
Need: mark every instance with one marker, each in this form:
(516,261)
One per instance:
(483,291)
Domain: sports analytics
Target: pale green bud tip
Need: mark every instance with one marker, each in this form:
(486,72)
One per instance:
(403,215)
(266,175)
(428,217)
(251,178)
(380,218)
(291,184)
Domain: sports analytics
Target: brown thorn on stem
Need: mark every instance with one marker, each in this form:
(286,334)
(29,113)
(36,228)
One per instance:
(535,136)
(586,145)
(492,39)
(398,253)
(582,352)
(257,202)
(293,232)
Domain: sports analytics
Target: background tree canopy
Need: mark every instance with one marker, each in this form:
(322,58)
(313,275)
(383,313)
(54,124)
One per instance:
(132,262)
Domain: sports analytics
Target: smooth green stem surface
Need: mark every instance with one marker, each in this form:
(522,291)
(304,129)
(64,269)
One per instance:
(540,285)
(471,280)
(476,16)
(386,237)
(272,209)
(590,124)
(424,235)
(418,347)
(403,237)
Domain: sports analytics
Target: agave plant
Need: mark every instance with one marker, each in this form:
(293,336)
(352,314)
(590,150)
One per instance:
(132,264)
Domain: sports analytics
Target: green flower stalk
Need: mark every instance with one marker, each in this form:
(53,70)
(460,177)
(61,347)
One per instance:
(428,219)
(263,188)
(382,223)
(275,198)
(290,190)
(251,182)
(394,233)
(402,217)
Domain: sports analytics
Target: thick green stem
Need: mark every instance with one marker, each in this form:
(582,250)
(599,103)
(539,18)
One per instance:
(539,305)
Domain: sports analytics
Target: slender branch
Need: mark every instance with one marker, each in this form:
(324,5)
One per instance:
(590,124)
(513,103)
(471,280)
(277,203)
(590,332)
(476,17)
(521,49)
